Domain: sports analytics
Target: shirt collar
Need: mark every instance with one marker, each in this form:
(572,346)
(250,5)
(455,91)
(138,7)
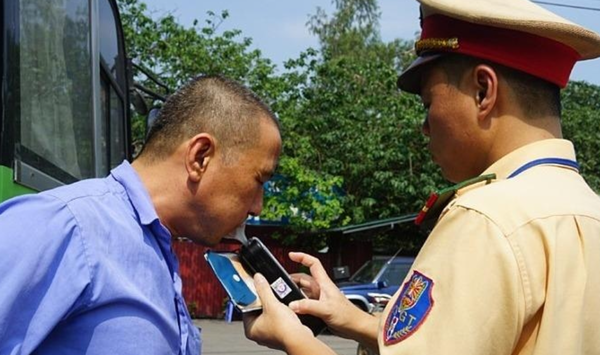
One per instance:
(135,189)
(548,148)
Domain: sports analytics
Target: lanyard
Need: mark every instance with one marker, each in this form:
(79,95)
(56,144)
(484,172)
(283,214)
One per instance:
(552,161)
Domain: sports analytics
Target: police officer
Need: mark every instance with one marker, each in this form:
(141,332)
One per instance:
(512,265)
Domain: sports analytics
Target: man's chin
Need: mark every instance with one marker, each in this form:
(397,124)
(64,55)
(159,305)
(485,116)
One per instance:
(206,241)
(211,242)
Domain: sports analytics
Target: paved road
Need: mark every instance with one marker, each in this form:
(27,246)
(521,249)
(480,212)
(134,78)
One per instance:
(220,337)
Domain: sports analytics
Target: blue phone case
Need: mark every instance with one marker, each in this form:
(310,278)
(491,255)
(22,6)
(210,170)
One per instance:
(231,279)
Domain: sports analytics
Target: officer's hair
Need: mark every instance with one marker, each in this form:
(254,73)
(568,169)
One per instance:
(211,104)
(536,97)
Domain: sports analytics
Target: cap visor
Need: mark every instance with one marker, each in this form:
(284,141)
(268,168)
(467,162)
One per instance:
(410,79)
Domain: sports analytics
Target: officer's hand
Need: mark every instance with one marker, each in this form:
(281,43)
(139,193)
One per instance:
(307,284)
(277,326)
(342,317)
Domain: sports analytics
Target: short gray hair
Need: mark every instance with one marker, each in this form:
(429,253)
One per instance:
(212,104)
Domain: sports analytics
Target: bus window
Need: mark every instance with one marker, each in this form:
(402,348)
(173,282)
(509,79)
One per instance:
(112,63)
(55,132)
(112,126)
(68,103)
(117,129)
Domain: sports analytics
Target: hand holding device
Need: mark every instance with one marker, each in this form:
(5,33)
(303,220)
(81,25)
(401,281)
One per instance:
(235,270)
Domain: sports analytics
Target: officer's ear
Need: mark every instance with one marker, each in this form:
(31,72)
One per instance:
(486,89)
(200,151)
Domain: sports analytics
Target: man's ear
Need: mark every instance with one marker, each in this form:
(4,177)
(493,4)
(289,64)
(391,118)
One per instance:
(486,89)
(200,150)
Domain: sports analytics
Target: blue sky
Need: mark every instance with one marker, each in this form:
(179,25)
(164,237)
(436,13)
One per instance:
(278,27)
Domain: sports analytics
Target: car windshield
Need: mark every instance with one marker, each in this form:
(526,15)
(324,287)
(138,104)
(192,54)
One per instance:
(368,271)
(394,274)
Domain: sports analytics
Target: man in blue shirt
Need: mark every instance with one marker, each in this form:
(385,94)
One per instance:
(88,268)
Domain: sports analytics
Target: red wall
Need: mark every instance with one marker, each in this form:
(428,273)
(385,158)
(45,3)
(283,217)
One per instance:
(203,292)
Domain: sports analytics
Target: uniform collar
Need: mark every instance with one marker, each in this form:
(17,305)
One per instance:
(500,170)
(554,148)
(136,191)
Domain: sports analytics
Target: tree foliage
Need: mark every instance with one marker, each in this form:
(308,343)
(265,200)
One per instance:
(581,125)
(353,149)
(355,122)
(176,54)
(349,121)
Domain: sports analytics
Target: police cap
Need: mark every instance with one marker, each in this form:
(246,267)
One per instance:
(515,33)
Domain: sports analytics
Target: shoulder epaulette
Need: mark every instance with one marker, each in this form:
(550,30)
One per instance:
(438,200)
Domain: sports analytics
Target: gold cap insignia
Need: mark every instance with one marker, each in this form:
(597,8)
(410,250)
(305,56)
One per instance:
(430,44)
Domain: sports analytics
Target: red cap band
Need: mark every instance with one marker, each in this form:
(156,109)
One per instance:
(538,56)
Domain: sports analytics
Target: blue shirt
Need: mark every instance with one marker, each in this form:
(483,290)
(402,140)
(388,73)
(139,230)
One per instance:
(88,269)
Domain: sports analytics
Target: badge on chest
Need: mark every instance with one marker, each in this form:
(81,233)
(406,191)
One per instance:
(410,309)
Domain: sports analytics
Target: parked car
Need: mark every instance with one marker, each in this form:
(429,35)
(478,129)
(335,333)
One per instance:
(382,274)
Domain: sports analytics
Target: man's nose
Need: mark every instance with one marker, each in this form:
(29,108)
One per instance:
(257,205)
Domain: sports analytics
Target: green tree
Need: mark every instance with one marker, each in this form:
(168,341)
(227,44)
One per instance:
(350,120)
(581,124)
(353,149)
(176,54)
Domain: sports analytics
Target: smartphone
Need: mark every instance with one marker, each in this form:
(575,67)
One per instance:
(255,257)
